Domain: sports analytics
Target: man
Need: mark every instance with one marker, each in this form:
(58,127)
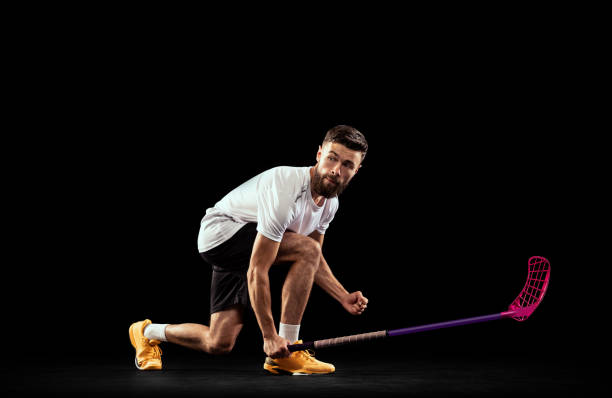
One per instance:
(279,216)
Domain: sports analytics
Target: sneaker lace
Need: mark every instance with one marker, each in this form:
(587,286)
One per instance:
(307,354)
(155,352)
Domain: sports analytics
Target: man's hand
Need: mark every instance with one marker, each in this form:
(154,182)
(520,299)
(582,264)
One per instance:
(355,303)
(276,347)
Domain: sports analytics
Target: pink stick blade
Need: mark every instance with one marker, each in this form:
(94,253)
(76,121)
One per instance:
(531,296)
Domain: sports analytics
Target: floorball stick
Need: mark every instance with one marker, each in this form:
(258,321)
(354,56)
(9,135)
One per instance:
(522,307)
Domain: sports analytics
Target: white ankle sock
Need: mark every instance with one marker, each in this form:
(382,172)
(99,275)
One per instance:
(289,332)
(156,331)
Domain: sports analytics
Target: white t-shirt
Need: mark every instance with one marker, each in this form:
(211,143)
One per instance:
(277,200)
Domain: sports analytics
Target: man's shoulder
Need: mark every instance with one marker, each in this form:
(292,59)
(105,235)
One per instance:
(332,204)
(288,178)
(289,171)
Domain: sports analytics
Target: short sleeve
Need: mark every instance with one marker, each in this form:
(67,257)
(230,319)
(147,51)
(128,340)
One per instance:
(275,211)
(328,216)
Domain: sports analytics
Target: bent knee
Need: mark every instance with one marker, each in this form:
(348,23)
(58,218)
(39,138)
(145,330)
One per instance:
(296,247)
(221,347)
(310,249)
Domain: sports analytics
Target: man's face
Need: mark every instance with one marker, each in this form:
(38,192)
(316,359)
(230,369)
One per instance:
(336,165)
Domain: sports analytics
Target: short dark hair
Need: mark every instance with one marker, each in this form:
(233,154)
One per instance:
(348,136)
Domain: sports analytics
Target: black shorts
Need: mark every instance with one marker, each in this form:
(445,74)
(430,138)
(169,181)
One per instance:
(230,262)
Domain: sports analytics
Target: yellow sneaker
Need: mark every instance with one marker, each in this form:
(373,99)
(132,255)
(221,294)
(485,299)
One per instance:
(148,353)
(298,363)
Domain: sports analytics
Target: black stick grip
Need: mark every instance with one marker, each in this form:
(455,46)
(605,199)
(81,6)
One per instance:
(301,347)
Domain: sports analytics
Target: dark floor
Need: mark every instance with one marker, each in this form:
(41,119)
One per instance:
(242,375)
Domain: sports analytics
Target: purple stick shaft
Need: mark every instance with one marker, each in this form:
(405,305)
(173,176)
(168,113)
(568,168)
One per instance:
(441,325)
(397,332)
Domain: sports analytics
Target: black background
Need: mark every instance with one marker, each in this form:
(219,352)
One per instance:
(479,159)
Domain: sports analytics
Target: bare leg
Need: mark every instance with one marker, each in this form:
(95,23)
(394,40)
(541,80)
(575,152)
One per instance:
(305,254)
(219,338)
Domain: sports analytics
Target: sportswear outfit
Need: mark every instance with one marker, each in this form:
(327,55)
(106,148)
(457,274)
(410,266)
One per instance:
(270,203)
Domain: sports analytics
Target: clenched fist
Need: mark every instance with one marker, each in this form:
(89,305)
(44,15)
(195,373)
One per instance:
(355,303)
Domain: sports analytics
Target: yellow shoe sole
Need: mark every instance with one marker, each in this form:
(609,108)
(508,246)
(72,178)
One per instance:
(275,369)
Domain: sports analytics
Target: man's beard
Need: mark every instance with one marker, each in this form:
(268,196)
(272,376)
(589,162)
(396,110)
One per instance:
(326,189)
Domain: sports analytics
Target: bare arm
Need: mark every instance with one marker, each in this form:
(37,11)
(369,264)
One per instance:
(263,256)
(355,302)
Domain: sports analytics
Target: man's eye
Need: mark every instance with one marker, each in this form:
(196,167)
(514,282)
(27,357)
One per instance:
(333,159)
